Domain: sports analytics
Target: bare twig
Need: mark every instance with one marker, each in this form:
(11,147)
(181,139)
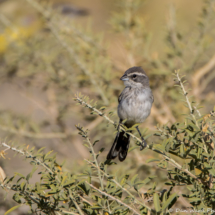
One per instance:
(172,161)
(28,155)
(111,197)
(95,160)
(119,185)
(189,106)
(46,14)
(35,199)
(43,164)
(76,205)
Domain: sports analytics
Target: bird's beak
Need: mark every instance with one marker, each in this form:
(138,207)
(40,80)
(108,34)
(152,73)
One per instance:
(124,78)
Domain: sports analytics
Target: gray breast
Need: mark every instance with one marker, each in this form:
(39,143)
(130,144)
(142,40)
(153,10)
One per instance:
(135,105)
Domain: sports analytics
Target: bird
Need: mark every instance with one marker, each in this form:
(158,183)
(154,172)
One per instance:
(134,106)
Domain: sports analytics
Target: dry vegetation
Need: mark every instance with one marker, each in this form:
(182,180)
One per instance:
(49,63)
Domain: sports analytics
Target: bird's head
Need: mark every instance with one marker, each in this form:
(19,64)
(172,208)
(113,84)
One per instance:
(135,77)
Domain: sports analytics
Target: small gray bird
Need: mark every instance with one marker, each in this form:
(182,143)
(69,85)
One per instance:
(135,104)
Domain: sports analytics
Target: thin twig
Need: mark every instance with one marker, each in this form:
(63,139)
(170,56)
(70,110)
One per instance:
(115,199)
(43,164)
(173,162)
(76,205)
(28,155)
(35,199)
(190,106)
(96,162)
(119,185)
(68,47)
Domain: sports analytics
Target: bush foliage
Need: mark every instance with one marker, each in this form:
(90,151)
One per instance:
(58,58)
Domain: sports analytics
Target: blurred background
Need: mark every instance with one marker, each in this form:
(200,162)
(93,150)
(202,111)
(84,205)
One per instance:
(50,50)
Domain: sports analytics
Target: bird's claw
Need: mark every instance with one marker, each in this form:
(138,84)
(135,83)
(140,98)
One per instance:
(143,146)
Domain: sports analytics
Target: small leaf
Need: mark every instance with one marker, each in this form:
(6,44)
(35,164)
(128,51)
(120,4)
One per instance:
(133,178)
(22,185)
(156,202)
(47,154)
(63,180)
(169,200)
(19,174)
(212,172)
(12,209)
(132,148)
(197,171)
(40,150)
(152,160)
(182,150)
(194,199)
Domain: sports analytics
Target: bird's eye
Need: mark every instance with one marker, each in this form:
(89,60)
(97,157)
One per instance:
(134,76)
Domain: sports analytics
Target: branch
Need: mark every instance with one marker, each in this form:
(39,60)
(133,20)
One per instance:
(28,155)
(46,14)
(43,164)
(119,185)
(172,161)
(189,105)
(76,204)
(35,199)
(84,133)
(111,197)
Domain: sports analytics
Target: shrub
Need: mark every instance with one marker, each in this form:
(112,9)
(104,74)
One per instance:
(56,59)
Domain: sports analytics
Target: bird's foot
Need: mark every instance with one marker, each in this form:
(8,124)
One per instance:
(143,144)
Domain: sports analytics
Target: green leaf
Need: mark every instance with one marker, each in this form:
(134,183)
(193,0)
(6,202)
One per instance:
(182,150)
(212,172)
(19,174)
(152,160)
(160,147)
(133,178)
(102,108)
(40,150)
(156,202)
(147,136)
(12,209)
(169,200)
(194,199)
(17,198)
(207,166)
(63,180)
(38,186)
(47,154)
(132,148)
(22,185)
(69,182)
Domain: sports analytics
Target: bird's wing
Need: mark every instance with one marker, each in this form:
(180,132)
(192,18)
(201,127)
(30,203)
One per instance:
(123,94)
(152,98)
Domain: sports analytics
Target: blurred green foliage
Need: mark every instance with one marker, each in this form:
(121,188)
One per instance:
(56,58)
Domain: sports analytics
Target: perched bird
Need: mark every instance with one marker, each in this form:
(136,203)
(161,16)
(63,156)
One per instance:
(135,104)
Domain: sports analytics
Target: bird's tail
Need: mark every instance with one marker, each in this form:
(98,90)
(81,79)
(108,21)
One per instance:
(120,146)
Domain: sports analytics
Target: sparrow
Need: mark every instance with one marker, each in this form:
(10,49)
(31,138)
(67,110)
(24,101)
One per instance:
(134,107)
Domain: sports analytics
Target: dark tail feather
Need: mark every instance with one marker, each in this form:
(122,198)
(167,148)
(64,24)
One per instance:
(125,140)
(120,146)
